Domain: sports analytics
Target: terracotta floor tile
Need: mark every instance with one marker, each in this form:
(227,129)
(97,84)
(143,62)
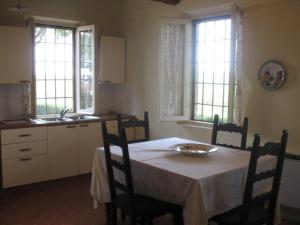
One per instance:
(60,202)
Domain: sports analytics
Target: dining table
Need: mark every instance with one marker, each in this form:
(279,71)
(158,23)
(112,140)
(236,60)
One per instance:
(204,185)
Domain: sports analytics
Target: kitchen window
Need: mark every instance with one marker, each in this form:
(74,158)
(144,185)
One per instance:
(64,69)
(85,70)
(213,87)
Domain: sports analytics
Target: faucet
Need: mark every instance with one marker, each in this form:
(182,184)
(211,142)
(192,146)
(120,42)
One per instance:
(63,113)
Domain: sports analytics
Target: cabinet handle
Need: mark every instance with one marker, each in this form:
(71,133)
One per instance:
(25,159)
(84,125)
(24,135)
(106,81)
(24,81)
(71,126)
(25,150)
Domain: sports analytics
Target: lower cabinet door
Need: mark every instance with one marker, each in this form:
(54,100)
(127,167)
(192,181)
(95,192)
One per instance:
(62,151)
(24,170)
(89,138)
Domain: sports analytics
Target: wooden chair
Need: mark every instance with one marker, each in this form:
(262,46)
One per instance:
(260,209)
(134,123)
(232,128)
(136,206)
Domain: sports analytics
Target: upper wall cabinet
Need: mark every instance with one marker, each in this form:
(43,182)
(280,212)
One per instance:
(112,60)
(15,54)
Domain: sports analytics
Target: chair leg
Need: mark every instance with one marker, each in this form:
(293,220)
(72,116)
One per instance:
(270,222)
(108,213)
(150,221)
(178,218)
(123,216)
(143,221)
(132,220)
(113,210)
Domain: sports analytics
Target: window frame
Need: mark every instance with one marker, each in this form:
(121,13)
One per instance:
(75,67)
(231,85)
(73,29)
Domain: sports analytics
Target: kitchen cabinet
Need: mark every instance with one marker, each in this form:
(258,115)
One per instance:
(139,133)
(112,60)
(25,170)
(112,128)
(71,148)
(24,156)
(20,150)
(23,135)
(15,55)
(89,138)
(35,154)
(62,151)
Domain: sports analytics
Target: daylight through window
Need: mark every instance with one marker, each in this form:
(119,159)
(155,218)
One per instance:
(212,40)
(54,63)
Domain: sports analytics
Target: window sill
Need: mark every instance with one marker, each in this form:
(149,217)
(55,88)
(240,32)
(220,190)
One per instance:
(196,124)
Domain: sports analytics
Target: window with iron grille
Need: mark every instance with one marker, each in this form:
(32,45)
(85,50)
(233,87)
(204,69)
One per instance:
(86,68)
(56,86)
(212,86)
(54,74)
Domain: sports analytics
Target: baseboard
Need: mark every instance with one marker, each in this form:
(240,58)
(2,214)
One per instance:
(290,214)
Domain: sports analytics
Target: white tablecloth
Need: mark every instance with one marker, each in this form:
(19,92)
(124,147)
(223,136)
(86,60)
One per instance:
(204,186)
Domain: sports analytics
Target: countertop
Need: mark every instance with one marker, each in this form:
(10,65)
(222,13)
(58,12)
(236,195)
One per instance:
(40,123)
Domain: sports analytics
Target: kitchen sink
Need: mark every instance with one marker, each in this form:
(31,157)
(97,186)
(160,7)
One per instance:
(56,119)
(70,118)
(83,117)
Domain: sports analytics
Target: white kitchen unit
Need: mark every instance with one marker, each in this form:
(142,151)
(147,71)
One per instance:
(89,138)
(71,148)
(37,154)
(112,60)
(15,55)
(24,156)
(139,133)
(112,128)
(62,151)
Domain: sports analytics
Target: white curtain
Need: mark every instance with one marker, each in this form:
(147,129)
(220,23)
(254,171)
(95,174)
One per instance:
(173,52)
(237,23)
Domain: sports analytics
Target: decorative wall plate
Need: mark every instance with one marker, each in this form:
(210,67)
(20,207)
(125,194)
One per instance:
(272,75)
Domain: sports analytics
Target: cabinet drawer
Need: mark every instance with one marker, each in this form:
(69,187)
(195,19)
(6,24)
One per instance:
(23,135)
(23,149)
(24,170)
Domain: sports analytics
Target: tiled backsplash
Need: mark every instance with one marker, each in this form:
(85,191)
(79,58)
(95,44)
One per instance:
(14,101)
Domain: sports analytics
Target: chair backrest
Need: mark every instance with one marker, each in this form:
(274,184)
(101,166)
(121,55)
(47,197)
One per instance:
(113,164)
(232,128)
(134,123)
(270,148)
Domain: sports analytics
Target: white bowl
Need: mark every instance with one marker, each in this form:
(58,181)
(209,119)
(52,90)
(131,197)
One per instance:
(194,149)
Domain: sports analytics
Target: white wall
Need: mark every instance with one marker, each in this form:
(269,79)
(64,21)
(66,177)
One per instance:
(289,189)
(270,32)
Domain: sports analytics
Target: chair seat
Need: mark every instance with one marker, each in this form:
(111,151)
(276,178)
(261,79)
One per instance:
(257,215)
(146,206)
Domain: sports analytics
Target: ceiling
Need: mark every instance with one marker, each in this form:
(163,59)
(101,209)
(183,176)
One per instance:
(171,2)
(50,8)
